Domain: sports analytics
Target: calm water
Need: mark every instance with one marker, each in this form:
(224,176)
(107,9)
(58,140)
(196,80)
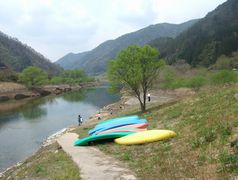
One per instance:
(23,131)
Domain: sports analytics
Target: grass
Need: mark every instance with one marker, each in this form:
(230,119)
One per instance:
(49,163)
(204,124)
(172,78)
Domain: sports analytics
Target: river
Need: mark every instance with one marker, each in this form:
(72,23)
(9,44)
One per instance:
(22,131)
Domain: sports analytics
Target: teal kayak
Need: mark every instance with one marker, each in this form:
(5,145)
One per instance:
(101,137)
(115,124)
(120,118)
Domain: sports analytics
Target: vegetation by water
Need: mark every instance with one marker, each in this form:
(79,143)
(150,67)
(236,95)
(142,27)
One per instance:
(49,163)
(206,145)
(32,76)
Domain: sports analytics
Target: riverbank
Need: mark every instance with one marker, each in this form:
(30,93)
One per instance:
(126,103)
(206,146)
(50,143)
(15,95)
(205,140)
(44,116)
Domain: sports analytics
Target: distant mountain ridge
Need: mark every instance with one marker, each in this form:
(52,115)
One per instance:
(18,56)
(214,35)
(95,61)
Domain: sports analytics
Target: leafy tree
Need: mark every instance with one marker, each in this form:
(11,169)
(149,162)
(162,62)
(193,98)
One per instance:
(32,76)
(135,67)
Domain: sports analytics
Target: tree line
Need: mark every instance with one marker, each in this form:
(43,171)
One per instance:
(33,76)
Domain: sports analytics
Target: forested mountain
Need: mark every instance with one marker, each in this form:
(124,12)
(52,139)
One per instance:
(18,56)
(95,61)
(205,41)
(69,60)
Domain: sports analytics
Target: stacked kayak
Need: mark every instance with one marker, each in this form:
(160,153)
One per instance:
(128,130)
(113,128)
(115,124)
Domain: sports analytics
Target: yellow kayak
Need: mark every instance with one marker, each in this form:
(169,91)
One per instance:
(145,137)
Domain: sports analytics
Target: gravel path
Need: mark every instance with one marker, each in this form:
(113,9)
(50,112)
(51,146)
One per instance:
(94,164)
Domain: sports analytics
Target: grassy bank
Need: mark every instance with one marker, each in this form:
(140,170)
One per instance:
(48,163)
(206,146)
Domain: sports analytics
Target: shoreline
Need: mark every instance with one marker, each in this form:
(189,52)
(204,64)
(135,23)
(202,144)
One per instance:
(18,90)
(125,101)
(46,142)
(15,91)
(53,137)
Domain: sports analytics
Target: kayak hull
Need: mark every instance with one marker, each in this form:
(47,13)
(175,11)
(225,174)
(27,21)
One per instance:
(146,137)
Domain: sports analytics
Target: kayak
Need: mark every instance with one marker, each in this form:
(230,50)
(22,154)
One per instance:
(123,130)
(115,124)
(120,118)
(102,137)
(126,128)
(146,137)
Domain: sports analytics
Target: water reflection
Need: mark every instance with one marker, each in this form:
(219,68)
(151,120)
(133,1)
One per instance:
(75,96)
(34,113)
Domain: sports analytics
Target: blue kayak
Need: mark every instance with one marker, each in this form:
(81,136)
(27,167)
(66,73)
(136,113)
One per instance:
(116,119)
(116,124)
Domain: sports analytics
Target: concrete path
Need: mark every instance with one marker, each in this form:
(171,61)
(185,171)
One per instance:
(94,164)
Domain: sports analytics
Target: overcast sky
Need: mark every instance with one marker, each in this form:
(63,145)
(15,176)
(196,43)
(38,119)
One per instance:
(57,27)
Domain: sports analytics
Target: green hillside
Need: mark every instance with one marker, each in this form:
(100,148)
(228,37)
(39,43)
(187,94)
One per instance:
(95,61)
(205,41)
(18,56)
(206,146)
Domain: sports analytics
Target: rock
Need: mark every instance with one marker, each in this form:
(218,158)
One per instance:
(4,98)
(58,90)
(20,96)
(41,91)
(67,89)
(44,93)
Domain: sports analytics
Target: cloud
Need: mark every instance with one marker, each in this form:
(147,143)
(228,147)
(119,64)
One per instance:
(137,13)
(55,28)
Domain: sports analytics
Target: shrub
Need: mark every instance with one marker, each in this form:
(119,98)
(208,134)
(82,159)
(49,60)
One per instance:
(32,76)
(196,82)
(223,62)
(223,77)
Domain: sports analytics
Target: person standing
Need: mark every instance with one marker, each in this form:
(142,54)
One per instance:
(99,116)
(80,119)
(149,98)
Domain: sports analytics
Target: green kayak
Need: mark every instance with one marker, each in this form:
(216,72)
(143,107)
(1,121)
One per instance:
(101,137)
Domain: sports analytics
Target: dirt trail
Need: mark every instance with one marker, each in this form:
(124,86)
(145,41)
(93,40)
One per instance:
(94,164)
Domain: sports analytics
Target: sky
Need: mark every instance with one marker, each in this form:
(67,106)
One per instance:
(57,27)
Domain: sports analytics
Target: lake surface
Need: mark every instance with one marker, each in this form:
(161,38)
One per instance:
(23,130)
